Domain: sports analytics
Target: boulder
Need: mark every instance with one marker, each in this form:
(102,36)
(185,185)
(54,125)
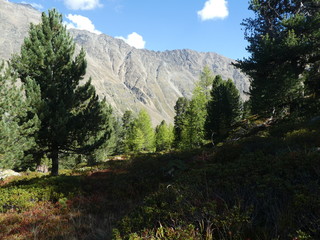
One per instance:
(4,173)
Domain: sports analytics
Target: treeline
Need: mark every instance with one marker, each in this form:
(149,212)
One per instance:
(214,108)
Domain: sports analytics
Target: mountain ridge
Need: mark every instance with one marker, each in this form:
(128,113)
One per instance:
(129,78)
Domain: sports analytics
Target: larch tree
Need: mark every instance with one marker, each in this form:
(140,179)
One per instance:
(72,118)
(193,131)
(136,140)
(206,80)
(143,123)
(193,134)
(139,133)
(164,136)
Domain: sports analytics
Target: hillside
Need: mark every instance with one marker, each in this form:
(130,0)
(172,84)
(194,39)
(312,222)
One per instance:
(129,78)
(263,186)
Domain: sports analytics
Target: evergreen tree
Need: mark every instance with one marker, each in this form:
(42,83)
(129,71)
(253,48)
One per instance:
(284,46)
(224,108)
(109,147)
(179,119)
(164,136)
(233,103)
(126,130)
(17,122)
(72,117)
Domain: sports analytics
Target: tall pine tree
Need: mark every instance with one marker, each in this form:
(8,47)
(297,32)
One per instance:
(72,117)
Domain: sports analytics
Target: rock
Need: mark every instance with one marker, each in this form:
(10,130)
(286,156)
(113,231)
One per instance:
(42,168)
(4,173)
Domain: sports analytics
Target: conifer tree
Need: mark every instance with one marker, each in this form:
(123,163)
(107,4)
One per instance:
(193,131)
(193,134)
(224,108)
(17,121)
(143,122)
(284,46)
(109,147)
(179,119)
(164,136)
(206,80)
(136,140)
(139,133)
(72,117)
(126,131)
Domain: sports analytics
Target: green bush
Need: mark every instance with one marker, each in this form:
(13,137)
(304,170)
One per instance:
(25,191)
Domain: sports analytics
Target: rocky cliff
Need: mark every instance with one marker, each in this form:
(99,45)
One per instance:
(129,78)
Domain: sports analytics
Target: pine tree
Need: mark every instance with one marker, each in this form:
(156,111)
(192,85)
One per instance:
(224,108)
(17,122)
(179,119)
(126,130)
(109,147)
(284,46)
(72,117)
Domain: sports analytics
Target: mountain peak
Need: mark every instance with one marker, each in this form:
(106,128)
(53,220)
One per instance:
(129,78)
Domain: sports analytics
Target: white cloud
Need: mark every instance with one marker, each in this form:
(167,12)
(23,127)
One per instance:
(82,4)
(82,23)
(134,40)
(214,9)
(35,5)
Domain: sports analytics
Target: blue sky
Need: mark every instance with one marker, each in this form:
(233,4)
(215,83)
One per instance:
(201,25)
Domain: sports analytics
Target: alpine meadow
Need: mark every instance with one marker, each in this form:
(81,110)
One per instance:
(103,140)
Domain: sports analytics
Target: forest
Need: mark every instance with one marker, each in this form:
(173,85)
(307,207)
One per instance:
(225,169)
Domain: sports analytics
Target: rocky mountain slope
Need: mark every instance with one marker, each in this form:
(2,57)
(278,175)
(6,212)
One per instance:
(129,78)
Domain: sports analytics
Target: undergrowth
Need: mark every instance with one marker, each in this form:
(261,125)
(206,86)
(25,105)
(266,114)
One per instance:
(261,183)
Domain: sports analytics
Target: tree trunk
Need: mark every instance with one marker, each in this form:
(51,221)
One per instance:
(55,162)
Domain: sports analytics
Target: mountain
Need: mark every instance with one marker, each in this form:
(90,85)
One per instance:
(129,78)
